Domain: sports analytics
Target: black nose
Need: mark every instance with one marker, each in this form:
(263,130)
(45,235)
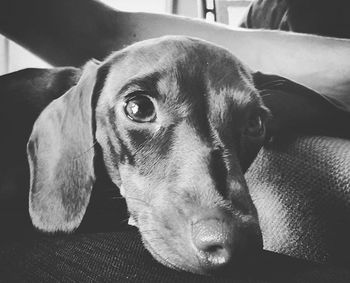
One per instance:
(220,240)
(212,239)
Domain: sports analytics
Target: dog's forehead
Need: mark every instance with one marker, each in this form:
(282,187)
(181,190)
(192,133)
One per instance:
(177,59)
(177,55)
(183,72)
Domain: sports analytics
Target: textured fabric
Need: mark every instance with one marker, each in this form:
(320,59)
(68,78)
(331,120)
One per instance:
(120,257)
(301,187)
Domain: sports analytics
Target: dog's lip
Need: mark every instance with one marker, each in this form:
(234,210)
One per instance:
(161,259)
(194,262)
(212,261)
(178,267)
(187,267)
(199,268)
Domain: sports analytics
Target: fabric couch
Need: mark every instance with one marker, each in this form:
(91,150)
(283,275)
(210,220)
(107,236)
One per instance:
(300,185)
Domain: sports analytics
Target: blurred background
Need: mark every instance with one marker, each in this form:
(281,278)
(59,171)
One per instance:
(13,57)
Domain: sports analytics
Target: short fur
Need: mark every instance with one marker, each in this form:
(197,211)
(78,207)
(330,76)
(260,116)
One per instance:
(182,169)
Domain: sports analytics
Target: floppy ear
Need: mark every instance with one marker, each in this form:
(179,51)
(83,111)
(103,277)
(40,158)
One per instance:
(60,153)
(296,107)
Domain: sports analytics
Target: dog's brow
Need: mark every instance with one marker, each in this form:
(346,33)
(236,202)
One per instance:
(145,82)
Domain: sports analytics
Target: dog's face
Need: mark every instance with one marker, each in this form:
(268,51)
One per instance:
(179,121)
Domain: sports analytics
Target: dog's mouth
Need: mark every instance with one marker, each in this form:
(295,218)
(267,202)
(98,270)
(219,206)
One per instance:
(194,229)
(164,260)
(203,246)
(150,242)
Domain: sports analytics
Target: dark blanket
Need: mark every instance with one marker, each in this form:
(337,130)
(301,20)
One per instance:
(120,257)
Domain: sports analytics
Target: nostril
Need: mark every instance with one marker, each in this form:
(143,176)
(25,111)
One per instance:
(214,249)
(216,255)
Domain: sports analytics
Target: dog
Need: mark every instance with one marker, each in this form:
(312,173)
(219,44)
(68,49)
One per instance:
(177,121)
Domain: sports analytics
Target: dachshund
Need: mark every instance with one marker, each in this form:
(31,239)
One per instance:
(177,121)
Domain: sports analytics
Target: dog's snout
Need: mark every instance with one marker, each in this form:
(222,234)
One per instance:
(213,237)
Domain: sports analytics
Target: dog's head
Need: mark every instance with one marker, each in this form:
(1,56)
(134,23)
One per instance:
(178,121)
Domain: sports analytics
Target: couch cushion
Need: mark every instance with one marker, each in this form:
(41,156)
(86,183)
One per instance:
(120,257)
(301,187)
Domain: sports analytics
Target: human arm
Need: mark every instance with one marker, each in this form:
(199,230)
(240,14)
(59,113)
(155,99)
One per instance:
(69,32)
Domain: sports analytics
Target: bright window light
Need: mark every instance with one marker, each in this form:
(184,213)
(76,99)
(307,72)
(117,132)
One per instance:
(153,6)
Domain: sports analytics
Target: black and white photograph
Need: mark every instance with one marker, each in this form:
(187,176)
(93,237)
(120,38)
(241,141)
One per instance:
(175,141)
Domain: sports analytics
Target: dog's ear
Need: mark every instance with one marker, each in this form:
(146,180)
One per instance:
(60,153)
(295,107)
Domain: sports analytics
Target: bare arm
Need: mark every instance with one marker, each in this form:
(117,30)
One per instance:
(69,32)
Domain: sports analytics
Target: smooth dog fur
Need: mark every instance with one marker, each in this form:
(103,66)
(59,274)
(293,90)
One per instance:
(181,173)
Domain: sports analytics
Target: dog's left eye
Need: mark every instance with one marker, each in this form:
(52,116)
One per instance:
(140,109)
(255,126)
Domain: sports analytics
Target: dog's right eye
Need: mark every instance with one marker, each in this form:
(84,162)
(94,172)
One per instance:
(255,126)
(140,108)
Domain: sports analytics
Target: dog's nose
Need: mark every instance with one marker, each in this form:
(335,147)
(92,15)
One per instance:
(213,241)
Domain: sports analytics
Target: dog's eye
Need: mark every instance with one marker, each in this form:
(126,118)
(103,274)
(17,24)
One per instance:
(255,126)
(140,109)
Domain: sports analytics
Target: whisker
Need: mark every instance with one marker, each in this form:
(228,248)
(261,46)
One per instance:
(139,200)
(152,239)
(118,197)
(86,151)
(258,198)
(148,231)
(272,83)
(267,94)
(124,220)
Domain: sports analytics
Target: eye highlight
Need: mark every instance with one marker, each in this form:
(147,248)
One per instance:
(255,126)
(140,108)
